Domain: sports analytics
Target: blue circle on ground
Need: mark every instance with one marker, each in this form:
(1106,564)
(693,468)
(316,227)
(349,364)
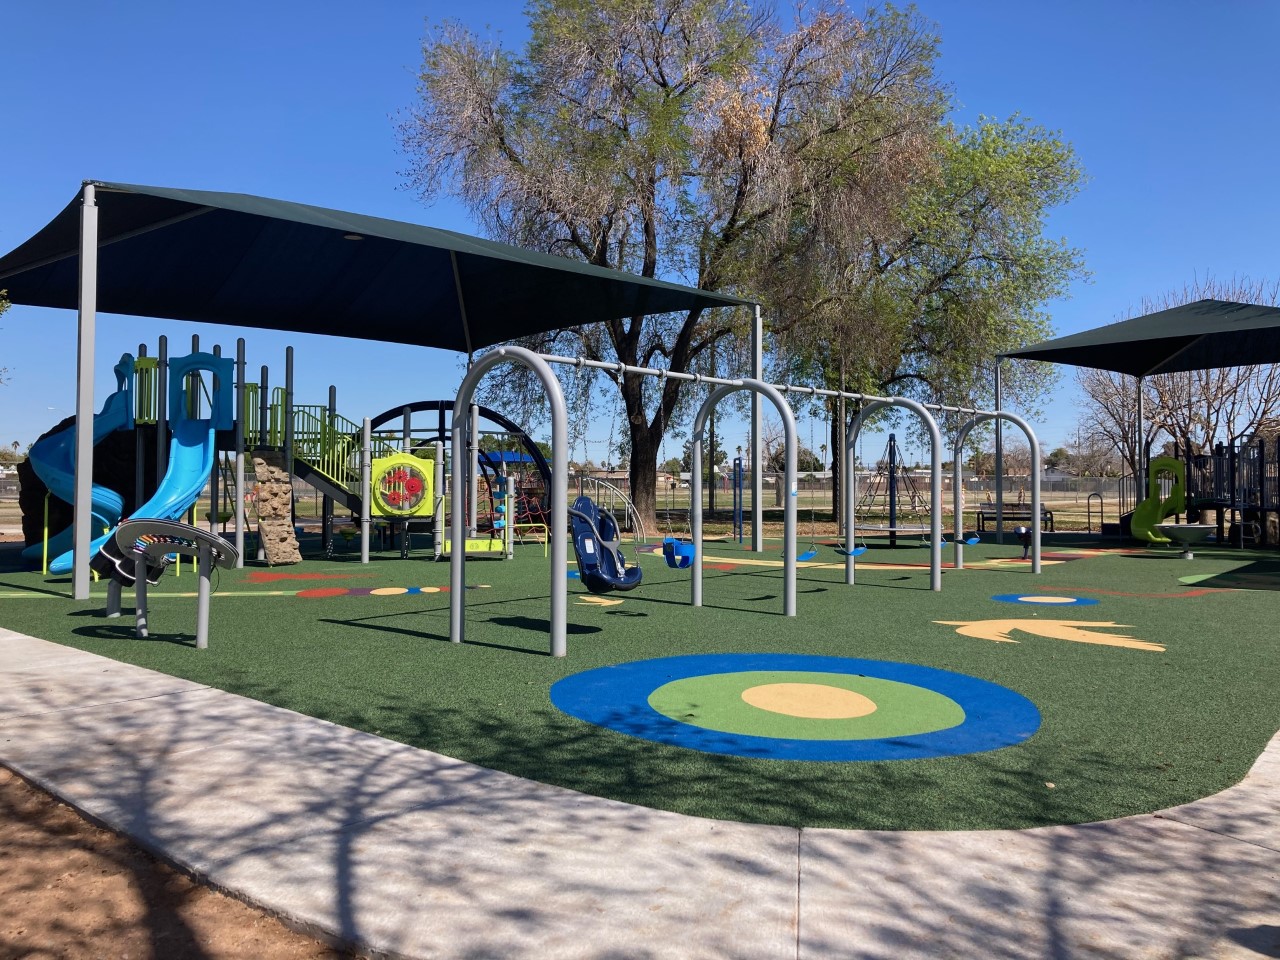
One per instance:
(1045,600)
(617,697)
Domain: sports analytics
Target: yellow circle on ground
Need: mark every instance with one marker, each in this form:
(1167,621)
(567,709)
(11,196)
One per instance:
(1047,599)
(428,589)
(815,701)
(389,591)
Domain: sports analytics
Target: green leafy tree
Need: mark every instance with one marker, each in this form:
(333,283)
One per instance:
(806,461)
(692,140)
(922,311)
(1058,459)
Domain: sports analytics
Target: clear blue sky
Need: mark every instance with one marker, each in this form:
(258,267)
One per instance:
(1170,105)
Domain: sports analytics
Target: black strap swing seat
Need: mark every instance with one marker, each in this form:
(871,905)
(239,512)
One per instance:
(679,554)
(596,542)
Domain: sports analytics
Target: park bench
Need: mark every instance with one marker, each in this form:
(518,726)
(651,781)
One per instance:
(1014,514)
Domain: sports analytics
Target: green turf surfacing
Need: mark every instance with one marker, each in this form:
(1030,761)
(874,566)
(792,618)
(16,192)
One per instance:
(716,702)
(1123,731)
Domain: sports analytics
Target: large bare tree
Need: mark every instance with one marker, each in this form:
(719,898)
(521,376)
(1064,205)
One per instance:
(693,140)
(1197,408)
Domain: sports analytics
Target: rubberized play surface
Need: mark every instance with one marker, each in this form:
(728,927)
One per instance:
(1110,685)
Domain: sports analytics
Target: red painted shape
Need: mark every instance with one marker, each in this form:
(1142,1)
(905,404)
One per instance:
(265,576)
(721,566)
(1195,592)
(321,592)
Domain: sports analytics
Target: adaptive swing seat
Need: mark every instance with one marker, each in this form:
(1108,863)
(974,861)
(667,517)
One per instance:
(678,553)
(601,564)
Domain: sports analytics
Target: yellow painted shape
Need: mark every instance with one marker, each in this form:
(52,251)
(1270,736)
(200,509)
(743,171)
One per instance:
(594,601)
(1039,599)
(389,591)
(774,563)
(1074,630)
(814,701)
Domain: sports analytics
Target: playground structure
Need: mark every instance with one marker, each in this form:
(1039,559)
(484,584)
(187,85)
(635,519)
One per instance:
(253,437)
(884,496)
(1238,486)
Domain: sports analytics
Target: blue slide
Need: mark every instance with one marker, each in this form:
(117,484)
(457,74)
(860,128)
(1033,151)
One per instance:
(191,451)
(53,460)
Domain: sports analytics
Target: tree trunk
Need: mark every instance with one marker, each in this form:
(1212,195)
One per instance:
(643,474)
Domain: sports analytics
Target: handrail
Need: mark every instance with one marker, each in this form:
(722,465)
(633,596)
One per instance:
(1088,507)
(330,443)
(633,515)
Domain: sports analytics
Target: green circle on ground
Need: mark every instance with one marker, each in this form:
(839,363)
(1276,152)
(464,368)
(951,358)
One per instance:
(714,702)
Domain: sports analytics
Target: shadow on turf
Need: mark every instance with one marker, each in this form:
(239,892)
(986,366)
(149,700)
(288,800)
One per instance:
(173,785)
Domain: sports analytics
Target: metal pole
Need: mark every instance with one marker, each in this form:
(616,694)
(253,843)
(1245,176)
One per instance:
(406,443)
(193,396)
(437,536)
(288,426)
(87,329)
(957,493)
(205,567)
(1139,461)
(893,491)
(139,453)
(473,468)
(162,410)
(264,409)
(326,505)
(366,486)
(214,491)
(757,436)
(240,448)
(999,478)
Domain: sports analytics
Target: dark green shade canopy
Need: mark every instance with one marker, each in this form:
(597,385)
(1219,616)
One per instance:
(1204,335)
(249,261)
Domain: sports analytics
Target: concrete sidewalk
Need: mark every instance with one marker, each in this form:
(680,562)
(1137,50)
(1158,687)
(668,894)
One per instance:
(409,853)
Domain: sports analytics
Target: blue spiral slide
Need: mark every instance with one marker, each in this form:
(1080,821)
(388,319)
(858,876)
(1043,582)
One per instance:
(53,459)
(191,448)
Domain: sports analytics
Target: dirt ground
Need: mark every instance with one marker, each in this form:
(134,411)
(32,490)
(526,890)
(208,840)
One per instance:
(69,890)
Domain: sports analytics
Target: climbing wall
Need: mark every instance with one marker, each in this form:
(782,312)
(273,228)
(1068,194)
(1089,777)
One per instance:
(274,502)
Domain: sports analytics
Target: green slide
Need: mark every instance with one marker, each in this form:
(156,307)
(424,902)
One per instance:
(1154,509)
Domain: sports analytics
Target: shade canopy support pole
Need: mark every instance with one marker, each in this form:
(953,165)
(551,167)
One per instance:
(86,333)
(757,437)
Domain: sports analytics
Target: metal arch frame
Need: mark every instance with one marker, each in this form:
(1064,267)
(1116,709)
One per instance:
(935,484)
(759,389)
(958,476)
(559,590)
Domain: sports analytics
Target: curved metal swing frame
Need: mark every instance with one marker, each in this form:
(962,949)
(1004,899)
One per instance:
(558,589)
(935,484)
(958,477)
(760,388)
